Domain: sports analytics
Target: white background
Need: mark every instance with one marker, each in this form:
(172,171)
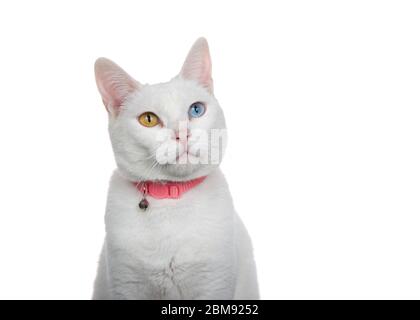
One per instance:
(323,109)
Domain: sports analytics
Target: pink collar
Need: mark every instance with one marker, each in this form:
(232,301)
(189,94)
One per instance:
(167,190)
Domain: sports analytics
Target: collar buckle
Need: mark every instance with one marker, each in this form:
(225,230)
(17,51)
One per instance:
(173,191)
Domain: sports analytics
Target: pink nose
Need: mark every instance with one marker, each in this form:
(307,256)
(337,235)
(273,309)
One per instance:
(183,135)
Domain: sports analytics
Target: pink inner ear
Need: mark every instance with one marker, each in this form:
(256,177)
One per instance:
(114,84)
(197,65)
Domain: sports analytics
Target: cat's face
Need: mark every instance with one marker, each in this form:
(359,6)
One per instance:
(167,131)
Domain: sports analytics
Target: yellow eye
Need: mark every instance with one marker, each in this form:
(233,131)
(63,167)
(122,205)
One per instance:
(149,119)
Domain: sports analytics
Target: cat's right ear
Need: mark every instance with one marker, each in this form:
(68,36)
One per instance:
(114,84)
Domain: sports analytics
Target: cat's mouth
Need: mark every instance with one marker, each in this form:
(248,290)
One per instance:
(190,155)
(186,155)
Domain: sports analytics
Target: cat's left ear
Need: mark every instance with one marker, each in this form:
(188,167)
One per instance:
(197,65)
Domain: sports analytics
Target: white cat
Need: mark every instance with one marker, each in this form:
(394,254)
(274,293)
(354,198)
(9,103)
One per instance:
(191,245)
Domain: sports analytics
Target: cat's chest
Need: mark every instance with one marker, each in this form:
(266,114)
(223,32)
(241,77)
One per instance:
(168,227)
(165,245)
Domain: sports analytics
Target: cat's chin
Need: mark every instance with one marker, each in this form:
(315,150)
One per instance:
(171,172)
(182,172)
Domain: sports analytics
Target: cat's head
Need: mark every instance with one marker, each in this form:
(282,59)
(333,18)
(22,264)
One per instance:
(167,131)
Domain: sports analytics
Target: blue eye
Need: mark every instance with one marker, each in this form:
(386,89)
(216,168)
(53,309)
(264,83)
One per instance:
(197,109)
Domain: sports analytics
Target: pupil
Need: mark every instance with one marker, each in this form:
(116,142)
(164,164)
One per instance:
(149,118)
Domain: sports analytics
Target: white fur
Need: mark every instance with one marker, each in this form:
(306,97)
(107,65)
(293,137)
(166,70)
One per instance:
(195,247)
